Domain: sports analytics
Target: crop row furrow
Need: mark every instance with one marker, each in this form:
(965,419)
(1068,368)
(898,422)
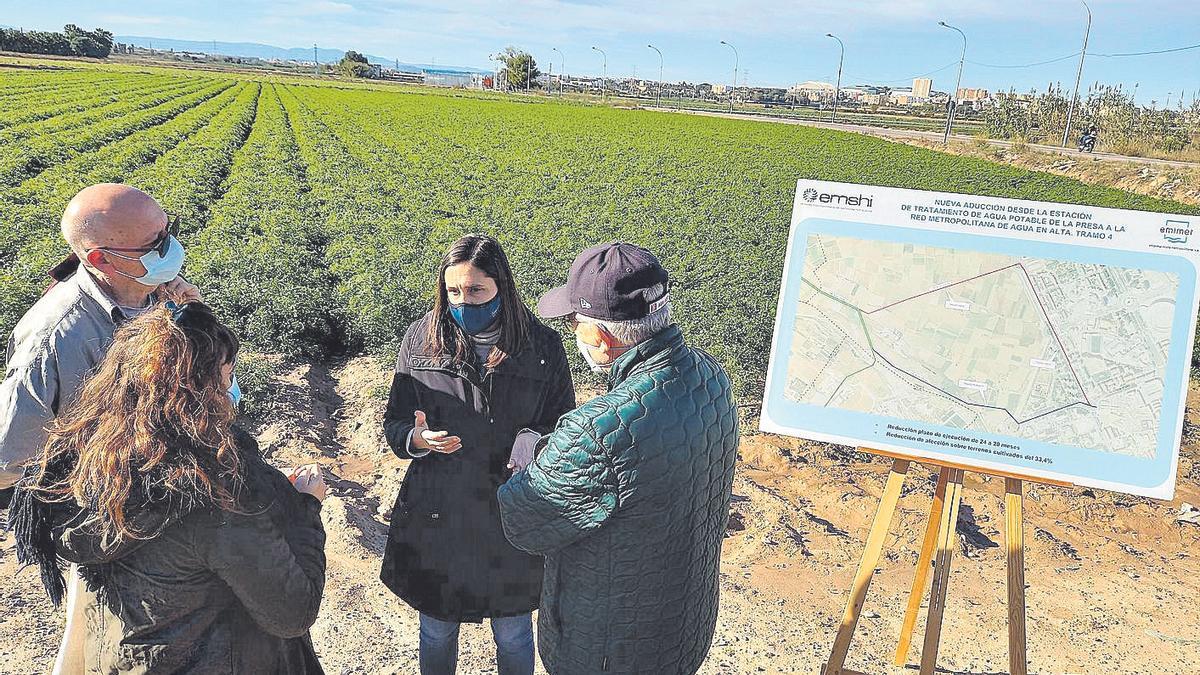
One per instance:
(47,128)
(194,170)
(260,258)
(34,206)
(24,161)
(88,99)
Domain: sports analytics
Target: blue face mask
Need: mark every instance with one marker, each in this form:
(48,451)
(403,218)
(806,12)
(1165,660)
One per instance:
(159,268)
(235,391)
(474,319)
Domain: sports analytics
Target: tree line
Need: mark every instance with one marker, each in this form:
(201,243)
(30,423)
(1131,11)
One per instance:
(72,41)
(1124,125)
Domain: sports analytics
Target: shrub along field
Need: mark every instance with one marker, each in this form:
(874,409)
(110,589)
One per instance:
(315,215)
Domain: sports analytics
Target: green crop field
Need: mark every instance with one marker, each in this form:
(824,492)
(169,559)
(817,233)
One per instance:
(315,215)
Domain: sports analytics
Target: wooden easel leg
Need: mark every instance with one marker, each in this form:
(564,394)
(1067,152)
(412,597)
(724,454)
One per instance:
(1014,542)
(866,567)
(947,538)
(923,560)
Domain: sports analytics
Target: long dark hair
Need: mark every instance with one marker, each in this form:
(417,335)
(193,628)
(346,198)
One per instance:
(445,336)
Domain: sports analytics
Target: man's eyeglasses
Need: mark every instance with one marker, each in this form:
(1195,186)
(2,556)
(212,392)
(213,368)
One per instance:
(160,245)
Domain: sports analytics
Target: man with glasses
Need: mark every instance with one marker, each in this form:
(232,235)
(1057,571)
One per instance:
(124,253)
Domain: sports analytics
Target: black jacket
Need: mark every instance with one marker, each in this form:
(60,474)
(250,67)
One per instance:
(211,593)
(446,554)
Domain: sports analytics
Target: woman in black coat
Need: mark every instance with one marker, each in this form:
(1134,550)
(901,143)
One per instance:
(478,381)
(199,557)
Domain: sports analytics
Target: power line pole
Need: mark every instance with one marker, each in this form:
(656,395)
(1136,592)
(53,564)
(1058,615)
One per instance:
(1078,74)
(316,63)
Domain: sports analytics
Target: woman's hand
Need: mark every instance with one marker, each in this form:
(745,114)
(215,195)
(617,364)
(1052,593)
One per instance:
(437,441)
(308,479)
(180,290)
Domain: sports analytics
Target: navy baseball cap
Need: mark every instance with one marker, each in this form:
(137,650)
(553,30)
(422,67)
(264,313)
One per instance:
(610,282)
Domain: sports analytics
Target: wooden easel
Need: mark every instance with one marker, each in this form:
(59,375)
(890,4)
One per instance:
(939,535)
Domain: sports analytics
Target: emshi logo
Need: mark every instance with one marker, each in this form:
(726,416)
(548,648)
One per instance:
(1176,231)
(861,201)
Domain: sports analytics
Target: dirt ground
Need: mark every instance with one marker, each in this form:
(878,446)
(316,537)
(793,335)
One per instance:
(1113,581)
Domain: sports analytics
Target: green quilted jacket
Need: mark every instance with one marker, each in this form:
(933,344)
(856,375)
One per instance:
(628,500)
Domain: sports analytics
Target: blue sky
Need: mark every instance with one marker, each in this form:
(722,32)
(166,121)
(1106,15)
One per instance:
(779,43)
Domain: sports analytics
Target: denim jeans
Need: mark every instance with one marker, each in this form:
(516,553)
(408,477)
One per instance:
(514,645)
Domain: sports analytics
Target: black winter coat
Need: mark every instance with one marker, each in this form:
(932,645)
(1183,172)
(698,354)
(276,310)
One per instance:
(214,593)
(446,553)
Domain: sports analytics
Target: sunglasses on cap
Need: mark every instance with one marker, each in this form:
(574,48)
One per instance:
(160,245)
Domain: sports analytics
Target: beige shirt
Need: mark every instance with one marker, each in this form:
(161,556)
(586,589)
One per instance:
(58,342)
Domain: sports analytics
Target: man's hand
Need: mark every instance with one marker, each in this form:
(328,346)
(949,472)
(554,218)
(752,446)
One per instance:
(179,290)
(437,441)
(523,449)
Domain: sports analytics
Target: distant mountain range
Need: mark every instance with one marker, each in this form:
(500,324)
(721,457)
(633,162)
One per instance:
(261,51)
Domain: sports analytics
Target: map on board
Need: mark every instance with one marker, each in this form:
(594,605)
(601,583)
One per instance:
(1048,350)
(1035,339)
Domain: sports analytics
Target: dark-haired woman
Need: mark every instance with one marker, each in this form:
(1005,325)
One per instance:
(198,556)
(478,380)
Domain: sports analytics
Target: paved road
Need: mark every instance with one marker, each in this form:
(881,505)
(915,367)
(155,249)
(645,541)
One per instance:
(884,132)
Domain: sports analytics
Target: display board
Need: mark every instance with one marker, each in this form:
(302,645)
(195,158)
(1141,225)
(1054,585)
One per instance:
(1039,339)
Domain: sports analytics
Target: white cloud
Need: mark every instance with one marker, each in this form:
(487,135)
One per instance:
(128,19)
(315,7)
(758,17)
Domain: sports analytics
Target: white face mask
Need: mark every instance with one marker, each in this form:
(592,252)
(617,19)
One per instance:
(586,350)
(235,391)
(159,268)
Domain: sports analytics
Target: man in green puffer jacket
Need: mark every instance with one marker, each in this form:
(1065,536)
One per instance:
(628,497)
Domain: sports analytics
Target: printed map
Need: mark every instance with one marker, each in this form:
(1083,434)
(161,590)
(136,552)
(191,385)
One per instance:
(1048,350)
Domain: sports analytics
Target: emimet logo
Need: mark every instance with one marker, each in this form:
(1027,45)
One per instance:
(1176,231)
(859,201)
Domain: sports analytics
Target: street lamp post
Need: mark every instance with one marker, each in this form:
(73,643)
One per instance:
(837,90)
(1078,74)
(604,78)
(735,69)
(958,82)
(658,95)
(562,69)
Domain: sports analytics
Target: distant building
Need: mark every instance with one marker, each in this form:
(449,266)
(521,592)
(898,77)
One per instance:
(906,97)
(812,87)
(921,87)
(452,78)
(972,95)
